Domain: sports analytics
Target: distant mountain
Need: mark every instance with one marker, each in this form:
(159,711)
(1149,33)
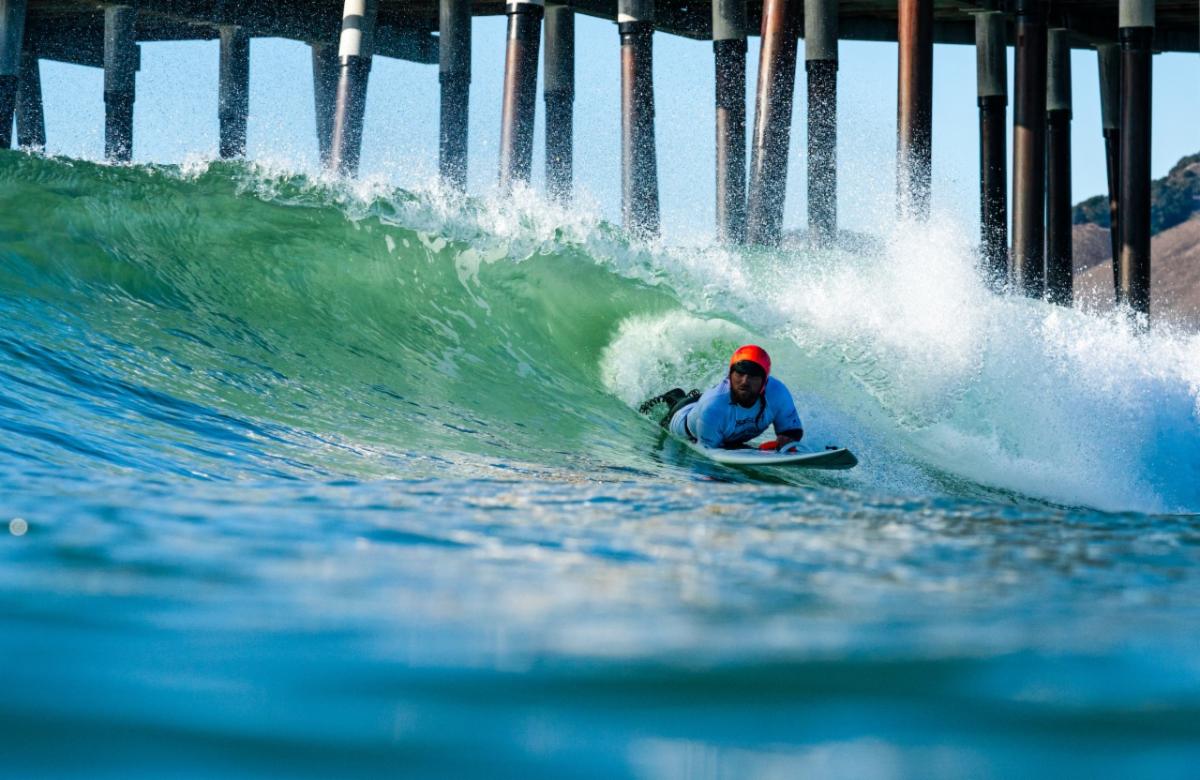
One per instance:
(1174,275)
(1173,199)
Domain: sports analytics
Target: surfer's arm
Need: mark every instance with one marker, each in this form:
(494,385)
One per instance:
(784,438)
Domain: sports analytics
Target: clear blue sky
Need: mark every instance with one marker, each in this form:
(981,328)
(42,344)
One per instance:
(176,119)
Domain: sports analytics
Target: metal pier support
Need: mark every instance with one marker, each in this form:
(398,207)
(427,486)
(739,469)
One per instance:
(639,162)
(120,72)
(772,124)
(992,90)
(1109,60)
(914,114)
(729,57)
(454,76)
(558,80)
(821,64)
(1029,151)
(1136,18)
(520,91)
(355,47)
(31,118)
(12,34)
(234,91)
(1059,246)
(325,79)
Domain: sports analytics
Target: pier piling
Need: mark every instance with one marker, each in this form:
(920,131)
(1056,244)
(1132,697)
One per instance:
(1108,56)
(1059,261)
(454,77)
(12,35)
(772,124)
(821,65)
(520,91)
(31,118)
(1136,19)
(1029,151)
(914,115)
(355,49)
(558,78)
(639,161)
(120,72)
(325,79)
(233,91)
(729,57)
(992,91)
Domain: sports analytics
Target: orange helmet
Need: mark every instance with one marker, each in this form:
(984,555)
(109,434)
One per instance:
(752,354)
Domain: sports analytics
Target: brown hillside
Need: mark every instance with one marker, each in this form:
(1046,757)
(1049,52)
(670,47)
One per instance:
(1174,278)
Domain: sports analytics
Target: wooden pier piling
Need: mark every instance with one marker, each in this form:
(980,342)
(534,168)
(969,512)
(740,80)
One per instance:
(1059,245)
(1137,40)
(729,59)
(1029,151)
(454,77)
(914,115)
(233,91)
(772,124)
(120,72)
(12,36)
(325,68)
(31,118)
(356,46)
(558,78)
(1108,56)
(639,159)
(821,66)
(992,92)
(520,91)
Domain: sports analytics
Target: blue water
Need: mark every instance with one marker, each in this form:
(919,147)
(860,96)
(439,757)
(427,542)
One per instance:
(304,480)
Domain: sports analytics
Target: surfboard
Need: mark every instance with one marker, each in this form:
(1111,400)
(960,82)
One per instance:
(840,458)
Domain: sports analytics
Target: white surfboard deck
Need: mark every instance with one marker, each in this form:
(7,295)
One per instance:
(840,458)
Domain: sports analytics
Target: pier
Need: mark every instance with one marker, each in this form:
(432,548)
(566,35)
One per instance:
(345,36)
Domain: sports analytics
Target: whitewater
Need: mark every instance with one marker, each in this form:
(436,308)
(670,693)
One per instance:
(311,477)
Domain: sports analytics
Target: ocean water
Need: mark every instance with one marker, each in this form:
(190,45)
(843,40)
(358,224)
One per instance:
(304,478)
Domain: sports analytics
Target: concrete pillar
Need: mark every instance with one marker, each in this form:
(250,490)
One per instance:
(1029,151)
(233,90)
(120,72)
(558,80)
(914,114)
(821,65)
(1108,56)
(1060,273)
(520,91)
(639,163)
(31,120)
(325,68)
(729,55)
(992,89)
(454,75)
(1136,19)
(355,48)
(12,35)
(772,124)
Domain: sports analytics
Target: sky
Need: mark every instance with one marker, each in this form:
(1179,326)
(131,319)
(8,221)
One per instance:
(176,120)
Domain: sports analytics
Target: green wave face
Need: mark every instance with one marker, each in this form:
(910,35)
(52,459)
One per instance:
(233,322)
(300,305)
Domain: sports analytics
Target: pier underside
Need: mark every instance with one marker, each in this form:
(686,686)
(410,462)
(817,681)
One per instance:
(73,30)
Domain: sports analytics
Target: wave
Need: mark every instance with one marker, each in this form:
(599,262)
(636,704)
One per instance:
(228,321)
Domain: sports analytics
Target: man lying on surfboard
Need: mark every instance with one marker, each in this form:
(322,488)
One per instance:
(739,408)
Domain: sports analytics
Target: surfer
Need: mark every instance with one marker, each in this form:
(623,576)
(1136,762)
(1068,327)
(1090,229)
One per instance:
(737,409)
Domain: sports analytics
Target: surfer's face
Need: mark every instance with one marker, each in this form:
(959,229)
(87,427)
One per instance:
(745,388)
